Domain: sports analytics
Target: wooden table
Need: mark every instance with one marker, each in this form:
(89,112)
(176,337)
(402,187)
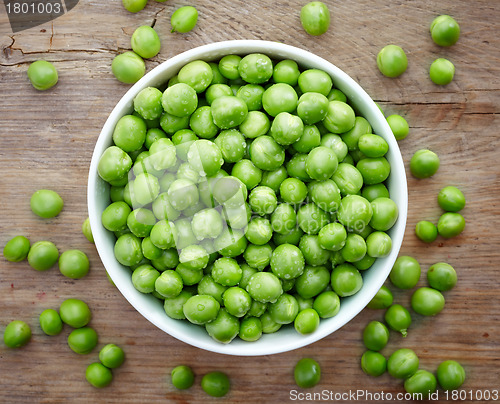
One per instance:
(47,138)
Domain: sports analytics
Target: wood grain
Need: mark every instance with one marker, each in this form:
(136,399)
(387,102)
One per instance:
(47,138)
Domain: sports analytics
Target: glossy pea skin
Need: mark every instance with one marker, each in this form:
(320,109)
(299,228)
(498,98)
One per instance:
(43,255)
(182,377)
(46,203)
(445,31)
(17,334)
(128,67)
(236,301)
(111,356)
(451,199)
(198,74)
(327,304)
(385,213)
(307,373)
(399,126)
(398,318)
(228,111)
(422,382)
(373,363)
(284,310)
(348,179)
(378,244)
(424,164)
(74,264)
(250,329)
(42,75)
(286,128)
(280,97)
(325,195)
(373,145)
(355,212)
(442,71)
(355,248)
(184,19)
(450,224)
(450,375)
(179,100)
(321,163)
(287,261)
(311,219)
(147,103)
(215,384)
(332,236)
(16,249)
(346,280)
(375,336)
(426,231)
(82,340)
(114,164)
(315,18)
(382,299)
(374,170)
(134,6)
(405,273)
(50,322)
(201,309)
(75,313)
(224,328)
(315,80)
(87,231)
(441,276)
(402,363)
(392,61)
(340,117)
(286,71)
(255,68)
(145,42)
(427,301)
(264,287)
(98,375)
(306,321)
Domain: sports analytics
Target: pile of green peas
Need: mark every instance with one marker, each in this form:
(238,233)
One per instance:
(247,196)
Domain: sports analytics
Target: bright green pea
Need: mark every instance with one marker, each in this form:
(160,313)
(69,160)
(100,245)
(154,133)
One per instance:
(280,97)
(312,281)
(128,67)
(378,244)
(315,18)
(173,306)
(134,6)
(228,66)
(373,145)
(224,328)
(232,145)
(179,100)
(201,309)
(284,310)
(354,248)
(86,230)
(169,284)
(50,322)
(274,179)
(375,336)
(296,167)
(312,107)
(348,179)
(327,304)
(258,256)
(398,318)
(82,340)
(310,139)
(399,126)
(226,271)
(16,249)
(228,111)
(198,74)
(307,373)
(255,68)
(451,199)
(374,170)
(111,356)
(405,273)
(427,301)
(98,375)
(351,137)
(306,321)
(286,128)
(449,225)
(315,80)
(313,253)
(184,19)
(355,212)
(336,143)
(422,382)
(246,171)
(372,192)
(325,194)
(141,221)
(402,363)
(128,250)
(266,153)
(442,276)
(114,164)
(336,95)
(385,213)
(259,231)
(346,280)
(43,255)
(283,219)
(194,257)
(373,363)
(287,261)
(215,384)
(17,334)
(250,329)
(46,203)
(450,375)
(340,117)
(252,95)
(321,163)
(442,71)
(424,164)
(237,301)
(130,133)
(445,31)
(42,75)
(286,71)
(148,103)
(256,124)
(264,287)
(392,61)
(75,313)
(332,236)
(74,264)
(311,219)
(426,231)
(145,42)
(171,124)
(382,299)
(263,200)
(144,278)
(182,377)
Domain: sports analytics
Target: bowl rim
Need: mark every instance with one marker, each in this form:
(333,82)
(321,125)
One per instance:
(268,344)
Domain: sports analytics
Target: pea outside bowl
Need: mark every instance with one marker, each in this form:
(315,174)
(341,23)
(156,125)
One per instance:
(286,338)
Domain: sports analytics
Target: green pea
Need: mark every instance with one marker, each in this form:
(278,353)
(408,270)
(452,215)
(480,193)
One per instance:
(382,299)
(327,304)
(236,301)
(312,281)
(399,126)
(266,153)
(182,377)
(307,373)
(232,145)
(148,103)
(392,61)
(325,195)
(286,128)
(424,164)
(348,179)
(82,340)
(179,100)
(42,75)
(373,363)
(422,382)
(224,328)
(74,264)
(292,237)
(374,170)
(450,375)
(75,313)
(228,66)
(398,319)
(373,145)
(231,243)
(255,68)
(336,95)
(442,276)
(174,306)
(375,336)
(313,253)
(346,280)
(442,71)
(16,249)
(449,225)
(287,261)
(228,111)
(17,334)
(50,322)
(259,231)
(114,164)
(256,124)
(215,384)
(321,163)
(427,301)
(351,137)
(86,230)
(134,6)
(312,107)
(354,249)
(98,375)
(355,212)
(315,18)
(426,231)
(385,214)
(263,200)
(184,19)
(112,356)
(402,363)
(378,244)
(310,139)
(405,273)
(445,31)
(198,74)
(128,67)
(145,42)
(46,203)
(201,309)
(250,329)
(286,71)
(246,171)
(372,192)
(316,81)
(130,133)
(280,97)
(451,199)
(264,287)
(340,117)
(43,255)
(296,167)
(306,321)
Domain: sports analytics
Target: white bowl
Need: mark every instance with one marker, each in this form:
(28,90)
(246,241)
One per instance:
(287,338)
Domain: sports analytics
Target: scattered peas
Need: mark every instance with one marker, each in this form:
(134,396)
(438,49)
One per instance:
(426,231)
(392,61)
(315,18)
(50,322)
(17,334)
(398,319)
(373,363)
(402,363)
(87,231)
(375,336)
(405,273)
(16,249)
(46,203)
(445,31)
(43,255)
(424,164)
(82,340)
(75,313)
(451,199)
(450,224)
(399,126)
(182,377)
(382,299)
(442,276)
(128,67)
(307,373)
(145,42)
(42,75)
(422,382)
(74,264)
(98,375)
(134,6)
(442,71)
(215,384)
(450,375)
(111,356)
(427,301)
(184,19)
